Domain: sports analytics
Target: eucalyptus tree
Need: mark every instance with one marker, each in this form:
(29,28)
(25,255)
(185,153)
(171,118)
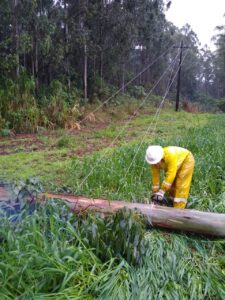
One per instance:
(7,56)
(219,40)
(87,41)
(16,24)
(153,38)
(37,28)
(207,78)
(119,32)
(191,64)
(103,36)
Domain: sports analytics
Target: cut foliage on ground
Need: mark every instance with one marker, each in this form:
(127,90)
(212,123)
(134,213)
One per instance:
(49,253)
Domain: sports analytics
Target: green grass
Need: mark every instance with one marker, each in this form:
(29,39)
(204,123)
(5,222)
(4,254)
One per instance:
(49,165)
(30,163)
(4,142)
(110,132)
(178,267)
(110,174)
(44,257)
(53,254)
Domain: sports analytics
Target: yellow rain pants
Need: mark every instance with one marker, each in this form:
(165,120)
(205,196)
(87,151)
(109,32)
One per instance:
(178,164)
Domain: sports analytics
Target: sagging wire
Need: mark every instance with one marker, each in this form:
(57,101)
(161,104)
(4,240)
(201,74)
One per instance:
(129,120)
(154,130)
(155,119)
(126,84)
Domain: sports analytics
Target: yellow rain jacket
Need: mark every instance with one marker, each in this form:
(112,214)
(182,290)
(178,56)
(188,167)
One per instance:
(178,164)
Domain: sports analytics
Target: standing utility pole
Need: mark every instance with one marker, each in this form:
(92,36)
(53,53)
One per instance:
(179,75)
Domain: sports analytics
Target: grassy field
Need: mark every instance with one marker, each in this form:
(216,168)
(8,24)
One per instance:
(52,254)
(47,155)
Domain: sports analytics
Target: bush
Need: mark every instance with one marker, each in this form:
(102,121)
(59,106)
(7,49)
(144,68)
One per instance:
(137,92)
(19,108)
(59,112)
(21,111)
(24,120)
(191,107)
(221,104)
(3,123)
(5,132)
(101,90)
(155,100)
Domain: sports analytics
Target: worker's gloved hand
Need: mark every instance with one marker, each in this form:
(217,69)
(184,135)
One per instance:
(158,198)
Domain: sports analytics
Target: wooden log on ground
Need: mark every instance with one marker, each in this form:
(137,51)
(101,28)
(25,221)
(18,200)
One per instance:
(158,216)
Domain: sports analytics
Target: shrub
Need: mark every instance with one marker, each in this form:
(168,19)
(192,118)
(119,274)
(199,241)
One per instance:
(24,112)
(191,107)
(3,123)
(221,104)
(101,90)
(155,100)
(59,112)
(24,120)
(5,132)
(137,92)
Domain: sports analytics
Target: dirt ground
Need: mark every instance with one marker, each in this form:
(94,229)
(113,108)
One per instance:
(33,142)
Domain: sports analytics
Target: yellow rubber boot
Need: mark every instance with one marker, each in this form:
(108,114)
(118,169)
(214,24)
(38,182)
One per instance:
(179,204)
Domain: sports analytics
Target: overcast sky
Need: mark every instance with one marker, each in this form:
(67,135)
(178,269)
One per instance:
(202,15)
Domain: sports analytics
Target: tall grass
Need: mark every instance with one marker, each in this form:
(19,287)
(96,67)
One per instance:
(110,173)
(49,253)
(53,254)
(178,267)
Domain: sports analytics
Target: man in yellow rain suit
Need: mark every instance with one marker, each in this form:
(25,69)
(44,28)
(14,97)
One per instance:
(178,164)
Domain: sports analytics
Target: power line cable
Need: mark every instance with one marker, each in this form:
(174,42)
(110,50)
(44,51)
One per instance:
(153,120)
(152,135)
(156,116)
(129,120)
(126,84)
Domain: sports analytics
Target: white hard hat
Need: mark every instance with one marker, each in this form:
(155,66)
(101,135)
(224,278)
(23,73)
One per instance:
(154,154)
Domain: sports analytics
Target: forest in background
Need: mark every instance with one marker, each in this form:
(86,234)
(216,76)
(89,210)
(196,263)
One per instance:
(59,60)
(58,55)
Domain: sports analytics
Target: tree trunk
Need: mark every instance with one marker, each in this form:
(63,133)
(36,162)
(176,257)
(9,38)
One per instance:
(123,78)
(36,63)
(85,72)
(35,58)
(159,216)
(16,37)
(32,65)
(24,60)
(67,44)
(101,68)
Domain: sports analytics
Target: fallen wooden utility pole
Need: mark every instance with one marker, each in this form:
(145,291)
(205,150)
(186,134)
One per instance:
(158,216)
